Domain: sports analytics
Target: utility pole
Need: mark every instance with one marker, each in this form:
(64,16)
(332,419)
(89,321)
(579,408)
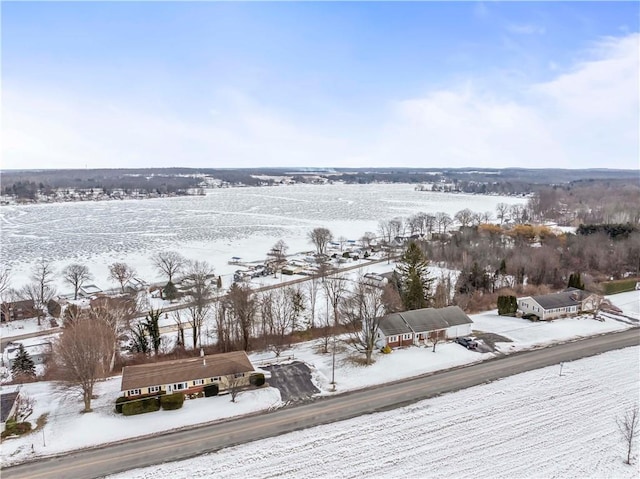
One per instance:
(333,363)
(561,364)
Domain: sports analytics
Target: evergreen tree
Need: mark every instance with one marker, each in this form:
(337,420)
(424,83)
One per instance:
(170,291)
(23,364)
(413,279)
(575,281)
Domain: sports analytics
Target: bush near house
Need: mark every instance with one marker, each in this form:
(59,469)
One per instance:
(210,390)
(119,402)
(619,286)
(257,379)
(172,401)
(507,305)
(140,406)
(14,428)
(386,349)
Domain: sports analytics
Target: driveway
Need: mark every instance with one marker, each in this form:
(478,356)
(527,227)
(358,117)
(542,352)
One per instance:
(293,380)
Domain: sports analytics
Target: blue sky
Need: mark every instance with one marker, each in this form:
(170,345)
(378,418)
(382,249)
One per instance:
(217,84)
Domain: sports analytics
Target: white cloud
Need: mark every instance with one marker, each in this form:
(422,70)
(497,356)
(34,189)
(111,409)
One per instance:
(586,116)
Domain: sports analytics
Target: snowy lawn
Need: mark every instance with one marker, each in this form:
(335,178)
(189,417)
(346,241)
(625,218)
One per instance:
(67,429)
(23,326)
(535,424)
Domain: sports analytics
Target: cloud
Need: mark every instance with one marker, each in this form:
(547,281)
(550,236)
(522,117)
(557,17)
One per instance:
(585,117)
(526,29)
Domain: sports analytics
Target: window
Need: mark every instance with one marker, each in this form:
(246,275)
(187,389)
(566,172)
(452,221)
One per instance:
(198,382)
(407,336)
(154,389)
(134,392)
(179,386)
(217,378)
(392,339)
(238,375)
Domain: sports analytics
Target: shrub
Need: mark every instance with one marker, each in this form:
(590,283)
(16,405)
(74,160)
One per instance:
(507,305)
(170,291)
(172,401)
(140,406)
(257,379)
(54,308)
(119,401)
(14,428)
(386,349)
(346,254)
(210,390)
(619,286)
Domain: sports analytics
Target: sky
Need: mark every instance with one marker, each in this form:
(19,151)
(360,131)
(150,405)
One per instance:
(320,84)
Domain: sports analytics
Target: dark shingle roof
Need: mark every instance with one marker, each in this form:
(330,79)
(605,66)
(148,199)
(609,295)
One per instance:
(179,370)
(433,319)
(6,404)
(422,320)
(563,299)
(393,324)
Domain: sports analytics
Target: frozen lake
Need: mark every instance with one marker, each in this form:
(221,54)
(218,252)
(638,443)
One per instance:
(243,222)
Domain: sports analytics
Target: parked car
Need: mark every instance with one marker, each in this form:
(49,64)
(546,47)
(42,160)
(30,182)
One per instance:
(468,343)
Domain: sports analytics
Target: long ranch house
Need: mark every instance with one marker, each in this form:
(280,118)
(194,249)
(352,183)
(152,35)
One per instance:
(417,326)
(186,375)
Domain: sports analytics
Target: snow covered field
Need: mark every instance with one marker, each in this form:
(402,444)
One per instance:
(535,424)
(243,222)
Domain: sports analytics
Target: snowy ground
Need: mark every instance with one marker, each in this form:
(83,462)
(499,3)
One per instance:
(535,424)
(72,429)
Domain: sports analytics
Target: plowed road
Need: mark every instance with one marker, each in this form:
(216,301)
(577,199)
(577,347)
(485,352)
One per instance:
(109,459)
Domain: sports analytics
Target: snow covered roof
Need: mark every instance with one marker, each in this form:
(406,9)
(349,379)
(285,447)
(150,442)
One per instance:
(180,370)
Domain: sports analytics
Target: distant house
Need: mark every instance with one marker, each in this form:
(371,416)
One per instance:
(375,279)
(134,285)
(412,327)
(565,303)
(186,375)
(88,290)
(14,310)
(37,351)
(8,407)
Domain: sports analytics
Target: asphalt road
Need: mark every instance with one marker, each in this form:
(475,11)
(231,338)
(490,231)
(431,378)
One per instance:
(183,444)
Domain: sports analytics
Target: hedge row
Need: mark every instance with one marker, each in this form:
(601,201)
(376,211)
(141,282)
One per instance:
(257,379)
(619,286)
(172,401)
(140,406)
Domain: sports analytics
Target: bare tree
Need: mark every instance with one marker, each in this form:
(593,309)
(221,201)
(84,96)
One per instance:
(121,273)
(443,220)
(41,289)
(435,337)
(168,263)
(5,277)
(280,315)
(502,209)
(335,288)
(236,381)
(241,305)
(312,286)
(628,426)
(83,352)
(116,313)
(320,238)
(367,239)
(279,253)
(199,276)
(364,309)
(76,275)
(464,217)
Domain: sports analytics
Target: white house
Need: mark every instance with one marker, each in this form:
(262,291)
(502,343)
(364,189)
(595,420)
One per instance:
(414,327)
(565,303)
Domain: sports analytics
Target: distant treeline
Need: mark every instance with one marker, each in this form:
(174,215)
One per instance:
(510,181)
(613,231)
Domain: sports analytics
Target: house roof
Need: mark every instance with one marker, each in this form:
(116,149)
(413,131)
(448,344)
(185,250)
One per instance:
(563,299)
(433,319)
(393,324)
(423,320)
(6,404)
(180,370)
